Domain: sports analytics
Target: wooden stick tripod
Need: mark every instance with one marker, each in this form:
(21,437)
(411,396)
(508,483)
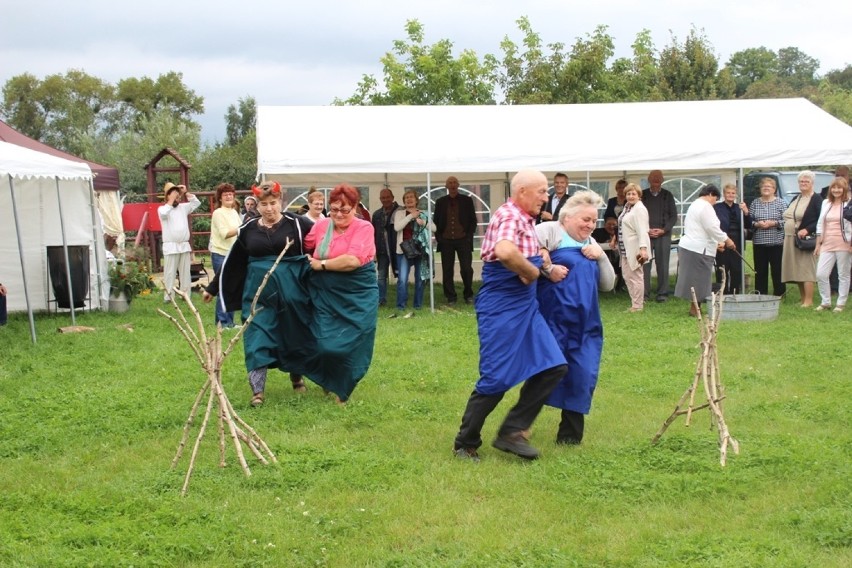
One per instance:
(707,372)
(210,355)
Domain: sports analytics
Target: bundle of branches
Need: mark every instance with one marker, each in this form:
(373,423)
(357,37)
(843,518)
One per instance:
(209,353)
(707,373)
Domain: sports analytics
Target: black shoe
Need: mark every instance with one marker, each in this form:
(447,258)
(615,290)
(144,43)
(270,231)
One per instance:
(468,300)
(515,443)
(661,298)
(466,454)
(567,442)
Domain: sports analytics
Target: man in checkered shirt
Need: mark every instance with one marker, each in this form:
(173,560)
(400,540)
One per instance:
(515,344)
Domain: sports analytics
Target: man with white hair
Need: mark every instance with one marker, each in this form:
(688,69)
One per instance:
(515,343)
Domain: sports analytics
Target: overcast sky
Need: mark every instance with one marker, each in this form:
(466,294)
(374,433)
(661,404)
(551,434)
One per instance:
(307,52)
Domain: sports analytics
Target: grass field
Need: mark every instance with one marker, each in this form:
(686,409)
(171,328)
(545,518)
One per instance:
(91,422)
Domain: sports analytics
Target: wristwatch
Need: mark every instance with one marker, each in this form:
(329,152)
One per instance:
(322,264)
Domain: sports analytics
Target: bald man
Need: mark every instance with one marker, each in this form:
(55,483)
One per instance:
(455,227)
(515,343)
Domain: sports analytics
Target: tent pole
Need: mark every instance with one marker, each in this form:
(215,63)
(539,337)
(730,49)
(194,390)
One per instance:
(95,241)
(21,253)
(65,251)
(740,182)
(431,251)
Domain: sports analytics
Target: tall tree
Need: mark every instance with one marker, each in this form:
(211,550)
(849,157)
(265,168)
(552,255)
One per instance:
(531,76)
(841,77)
(59,108)
(636,78)
(752,65)
(420,74)
(142,98)
(689,70)
(240,120)
(797,68)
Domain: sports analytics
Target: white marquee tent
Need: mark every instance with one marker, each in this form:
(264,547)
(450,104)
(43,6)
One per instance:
(377,141)
(47,202)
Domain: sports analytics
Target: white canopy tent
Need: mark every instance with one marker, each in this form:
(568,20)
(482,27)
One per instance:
(49,203)
(305,142)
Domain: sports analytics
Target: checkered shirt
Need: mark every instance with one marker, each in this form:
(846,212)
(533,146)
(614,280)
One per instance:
(510,223)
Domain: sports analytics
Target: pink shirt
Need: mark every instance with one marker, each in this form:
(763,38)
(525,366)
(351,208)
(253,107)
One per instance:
(832,240)
(358,240)
(510,223)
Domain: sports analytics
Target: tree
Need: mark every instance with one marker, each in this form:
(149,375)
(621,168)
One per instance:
(841,77)
(797,68)
(530,77)
(58,109)
(240,120)
(419,74)
(636,79)
(142,98)
(750,66)
(688,71)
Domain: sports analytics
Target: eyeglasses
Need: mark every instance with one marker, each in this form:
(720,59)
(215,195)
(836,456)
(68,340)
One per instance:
(341,210)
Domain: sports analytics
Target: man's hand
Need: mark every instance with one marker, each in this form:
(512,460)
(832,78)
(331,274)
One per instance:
(545,216)
(206,296)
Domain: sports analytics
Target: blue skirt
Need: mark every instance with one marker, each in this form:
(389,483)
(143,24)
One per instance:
(515,342)
(571,310)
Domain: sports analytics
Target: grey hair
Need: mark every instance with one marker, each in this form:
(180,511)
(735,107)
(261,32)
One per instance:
(806,174)
(583,198)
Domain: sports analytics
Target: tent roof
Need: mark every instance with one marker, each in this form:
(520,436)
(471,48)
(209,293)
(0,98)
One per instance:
(106,177)
(24,163)
(686,135)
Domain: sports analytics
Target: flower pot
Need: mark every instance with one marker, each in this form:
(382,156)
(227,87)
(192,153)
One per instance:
(118,303)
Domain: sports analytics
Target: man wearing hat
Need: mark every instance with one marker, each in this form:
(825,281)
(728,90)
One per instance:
(174,218)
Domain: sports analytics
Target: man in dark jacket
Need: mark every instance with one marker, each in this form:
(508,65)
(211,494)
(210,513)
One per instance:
(551,208)
(455,227)
(662,216)
(385,241)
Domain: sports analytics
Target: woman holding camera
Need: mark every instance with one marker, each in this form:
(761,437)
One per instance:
(412,224)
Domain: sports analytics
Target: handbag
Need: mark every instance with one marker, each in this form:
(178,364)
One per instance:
(806,243)
(412,249)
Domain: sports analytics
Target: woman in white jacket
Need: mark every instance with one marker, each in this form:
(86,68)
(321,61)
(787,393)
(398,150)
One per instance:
(633,244)
(834,245)
(702,235)
(411,223)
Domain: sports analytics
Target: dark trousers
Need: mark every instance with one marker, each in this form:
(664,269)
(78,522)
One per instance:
(571,427)
(450,249)
(728,262)
(383,266)
(767,260)
(533,395)
(2,310)
(661,249)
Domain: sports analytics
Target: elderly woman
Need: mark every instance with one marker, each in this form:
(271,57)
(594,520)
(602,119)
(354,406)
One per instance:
(250,208)
(224,225)
(344,294)
(633,244)
(316,206)
(412,224)
(257,245)
(702,235)
(568,300)
(834,245)
(800,219)
(766,217)
(729,261)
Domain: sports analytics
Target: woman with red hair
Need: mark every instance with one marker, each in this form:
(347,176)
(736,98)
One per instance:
(344,294)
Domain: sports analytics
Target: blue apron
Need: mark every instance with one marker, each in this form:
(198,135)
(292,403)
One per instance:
(571,310)
(514,340)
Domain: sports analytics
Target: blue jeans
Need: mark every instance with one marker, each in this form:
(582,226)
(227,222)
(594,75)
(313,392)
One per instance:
(403,264)
(223,317)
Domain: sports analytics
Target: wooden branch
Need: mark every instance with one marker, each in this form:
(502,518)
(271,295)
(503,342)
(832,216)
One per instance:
(189,422)
(185,334)
(197,444)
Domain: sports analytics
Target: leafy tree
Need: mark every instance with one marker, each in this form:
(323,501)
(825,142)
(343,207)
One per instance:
(142,98)
(59,108)
(635,79)
(835,100)
(232,163)
(797,68)
(530,77)
(585,76)
(419,74)
(750,66)
(689,71)
(240,120)
(840,77)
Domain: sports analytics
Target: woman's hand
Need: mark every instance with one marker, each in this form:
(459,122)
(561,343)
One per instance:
(729,244)
(206,296)
(592,251)
(642,255)
(802,233)
(558,273)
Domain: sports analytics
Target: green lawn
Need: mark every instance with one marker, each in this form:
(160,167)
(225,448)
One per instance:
(91,422)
